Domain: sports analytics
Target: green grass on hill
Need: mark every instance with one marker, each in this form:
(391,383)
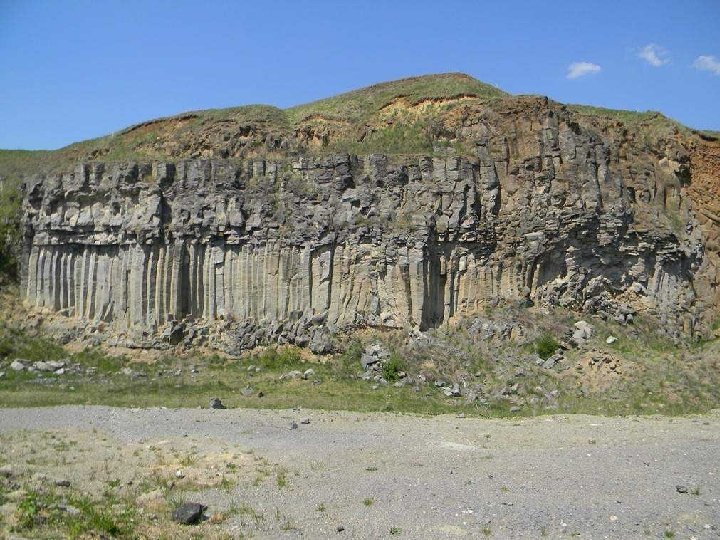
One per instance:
(360,104)
(650,120)
(355,110)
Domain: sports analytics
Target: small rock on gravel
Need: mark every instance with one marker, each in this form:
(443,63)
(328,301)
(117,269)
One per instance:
(215,403)
(305,421)
(62,483)
(189,513)
(681,489)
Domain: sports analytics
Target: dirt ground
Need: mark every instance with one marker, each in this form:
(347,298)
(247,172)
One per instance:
(351,475)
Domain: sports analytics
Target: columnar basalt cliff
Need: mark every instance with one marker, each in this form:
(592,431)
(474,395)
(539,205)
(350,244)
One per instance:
(252,232)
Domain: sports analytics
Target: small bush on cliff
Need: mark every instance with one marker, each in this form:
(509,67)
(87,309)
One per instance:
(545,346)
(392,368)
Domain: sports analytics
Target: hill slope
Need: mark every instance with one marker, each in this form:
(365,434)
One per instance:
(408,116)
(470,171)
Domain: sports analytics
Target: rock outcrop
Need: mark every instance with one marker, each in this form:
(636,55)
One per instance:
(539,206)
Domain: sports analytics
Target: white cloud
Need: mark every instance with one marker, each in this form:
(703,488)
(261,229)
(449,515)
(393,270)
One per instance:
(580,69)
(707,63)
(654,55)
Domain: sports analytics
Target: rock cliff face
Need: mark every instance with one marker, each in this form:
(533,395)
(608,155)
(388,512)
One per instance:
(540,205)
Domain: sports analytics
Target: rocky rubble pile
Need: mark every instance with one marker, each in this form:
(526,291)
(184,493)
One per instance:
(56,367)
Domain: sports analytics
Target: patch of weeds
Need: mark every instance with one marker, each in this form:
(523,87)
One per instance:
(188,459)
(40,513)
(248,511)
(487,531)
(695,491)
(63,446)
(279,358)
(157,481)
(27,514)
(669,533)
(371,468)
(103,363)
(281,478)
(347,364)
(94,518)
(215,361)
(320,507)
(112,484)
(288,525)
(259,479)
(369,501)
(226,484)
(395,531)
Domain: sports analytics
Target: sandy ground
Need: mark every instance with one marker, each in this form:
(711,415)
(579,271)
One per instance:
(351,475)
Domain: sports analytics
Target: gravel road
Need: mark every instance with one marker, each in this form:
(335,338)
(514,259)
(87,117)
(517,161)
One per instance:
(388,475)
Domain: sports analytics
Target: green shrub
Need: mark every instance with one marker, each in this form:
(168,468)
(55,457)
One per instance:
(545,346)
(392,368)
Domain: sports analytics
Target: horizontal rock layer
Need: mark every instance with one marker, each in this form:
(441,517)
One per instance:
(547,215)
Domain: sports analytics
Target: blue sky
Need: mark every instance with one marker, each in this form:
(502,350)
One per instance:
(72,70)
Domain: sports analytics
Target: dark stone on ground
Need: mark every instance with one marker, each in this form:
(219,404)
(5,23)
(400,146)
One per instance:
(188,513)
